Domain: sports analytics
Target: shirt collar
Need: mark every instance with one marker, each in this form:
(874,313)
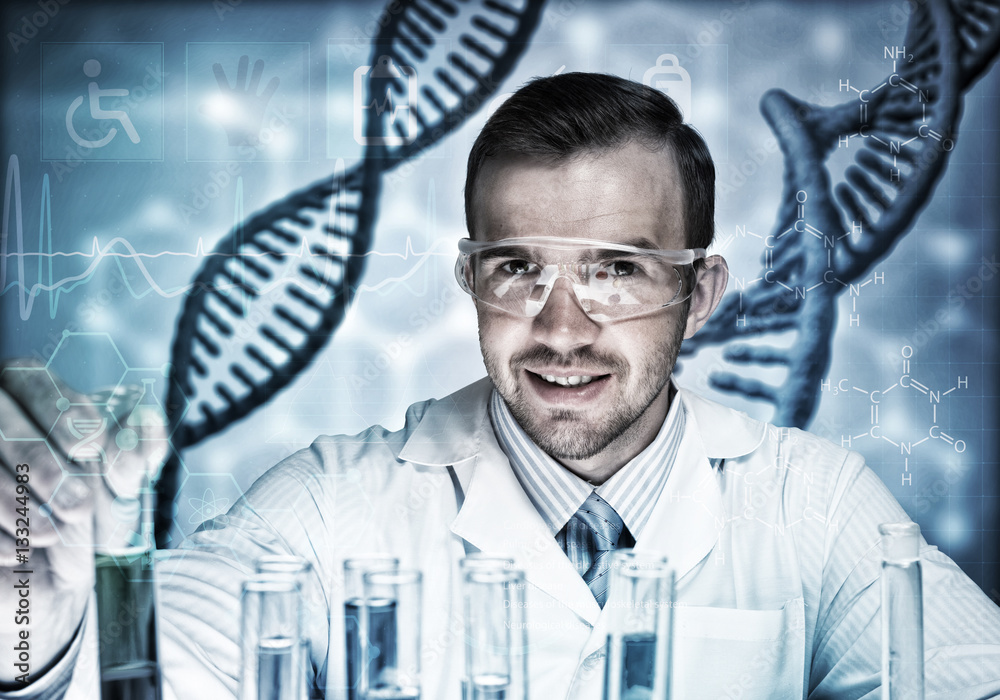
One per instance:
(557,493)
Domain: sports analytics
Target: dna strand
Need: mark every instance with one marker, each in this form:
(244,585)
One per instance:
(260,313)
(827,238)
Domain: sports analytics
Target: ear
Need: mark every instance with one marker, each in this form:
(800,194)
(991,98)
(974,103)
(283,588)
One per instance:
(708,291)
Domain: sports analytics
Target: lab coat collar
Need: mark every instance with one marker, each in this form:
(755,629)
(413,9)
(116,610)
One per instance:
(725,433)
(450,431)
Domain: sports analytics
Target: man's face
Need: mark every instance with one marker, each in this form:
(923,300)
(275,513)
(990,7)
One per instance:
(630,196)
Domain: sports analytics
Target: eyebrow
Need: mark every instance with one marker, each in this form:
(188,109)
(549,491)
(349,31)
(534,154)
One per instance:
(507,251)
(643,243)
(514,250)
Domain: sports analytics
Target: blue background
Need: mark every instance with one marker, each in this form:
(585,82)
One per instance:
(134,224)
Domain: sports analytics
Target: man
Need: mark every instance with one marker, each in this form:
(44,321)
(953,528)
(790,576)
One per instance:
(589,204)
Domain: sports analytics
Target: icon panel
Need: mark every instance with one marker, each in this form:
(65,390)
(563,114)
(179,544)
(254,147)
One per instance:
(102,101)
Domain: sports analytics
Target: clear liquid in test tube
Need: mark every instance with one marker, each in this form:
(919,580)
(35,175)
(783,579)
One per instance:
(357,643)
(495,631)
(126,599)
(640,596)
(297,569)
(902,613)
(271,667)
(391,621)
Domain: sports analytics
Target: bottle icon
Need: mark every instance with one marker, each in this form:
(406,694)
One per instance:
(669,77)
(148,412)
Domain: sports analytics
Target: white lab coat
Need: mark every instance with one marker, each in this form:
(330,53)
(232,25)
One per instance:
(773,535)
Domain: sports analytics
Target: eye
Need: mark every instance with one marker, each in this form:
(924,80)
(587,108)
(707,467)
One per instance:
(622,268)
(518,267)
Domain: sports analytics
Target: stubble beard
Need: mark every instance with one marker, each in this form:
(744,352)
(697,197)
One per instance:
(566,433)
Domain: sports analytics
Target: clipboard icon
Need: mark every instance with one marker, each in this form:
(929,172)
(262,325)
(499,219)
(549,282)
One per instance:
(381,79)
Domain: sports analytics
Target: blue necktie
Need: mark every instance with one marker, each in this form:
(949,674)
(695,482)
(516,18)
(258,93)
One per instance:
(589,538)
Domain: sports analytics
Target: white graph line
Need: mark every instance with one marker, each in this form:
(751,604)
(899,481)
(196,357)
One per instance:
(121,248)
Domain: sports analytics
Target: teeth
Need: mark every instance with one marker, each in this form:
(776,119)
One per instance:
(567,381)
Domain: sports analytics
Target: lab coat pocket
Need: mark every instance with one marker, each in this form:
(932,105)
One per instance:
(739,654)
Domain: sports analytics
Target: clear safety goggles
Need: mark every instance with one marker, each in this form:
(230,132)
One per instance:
(611,281)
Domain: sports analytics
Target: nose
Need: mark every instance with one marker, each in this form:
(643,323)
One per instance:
(562,324)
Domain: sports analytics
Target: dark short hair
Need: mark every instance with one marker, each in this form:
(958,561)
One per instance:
(558,117)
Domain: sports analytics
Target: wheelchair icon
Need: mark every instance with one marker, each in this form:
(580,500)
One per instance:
(92,69)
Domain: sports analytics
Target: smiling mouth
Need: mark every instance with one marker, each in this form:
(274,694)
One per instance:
(576,380)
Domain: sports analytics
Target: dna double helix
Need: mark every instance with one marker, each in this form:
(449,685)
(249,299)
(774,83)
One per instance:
(902,132)
(262,311)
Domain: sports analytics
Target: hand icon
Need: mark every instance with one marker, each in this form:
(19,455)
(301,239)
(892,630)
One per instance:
(243,113)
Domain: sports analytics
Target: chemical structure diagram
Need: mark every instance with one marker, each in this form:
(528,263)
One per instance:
(901,432)
(772,276)
(761,485)
(889,431)
(837,220)
(891,144)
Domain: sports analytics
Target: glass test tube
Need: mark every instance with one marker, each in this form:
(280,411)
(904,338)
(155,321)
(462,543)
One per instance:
(271,639)
(126,599)
(124,574)
(298,569)
(483,561)
(355,642)
(391,620)
(496,644)
(640,596)
(902,613)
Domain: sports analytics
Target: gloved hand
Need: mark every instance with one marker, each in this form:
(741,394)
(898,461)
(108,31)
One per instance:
(64,457)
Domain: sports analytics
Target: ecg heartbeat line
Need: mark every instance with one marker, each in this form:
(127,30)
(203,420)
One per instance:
(120,248)
(27,294)
(387,105)
(431,235)
(13,186)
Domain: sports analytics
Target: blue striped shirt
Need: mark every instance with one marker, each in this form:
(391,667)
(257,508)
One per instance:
(558,493)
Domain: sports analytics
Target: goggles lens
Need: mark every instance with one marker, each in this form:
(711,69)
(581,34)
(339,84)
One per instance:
(611,281)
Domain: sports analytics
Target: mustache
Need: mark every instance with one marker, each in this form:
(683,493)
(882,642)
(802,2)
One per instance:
(585,356)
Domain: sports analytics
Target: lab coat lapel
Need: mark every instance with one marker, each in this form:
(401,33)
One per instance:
(497,516)
(689,514)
